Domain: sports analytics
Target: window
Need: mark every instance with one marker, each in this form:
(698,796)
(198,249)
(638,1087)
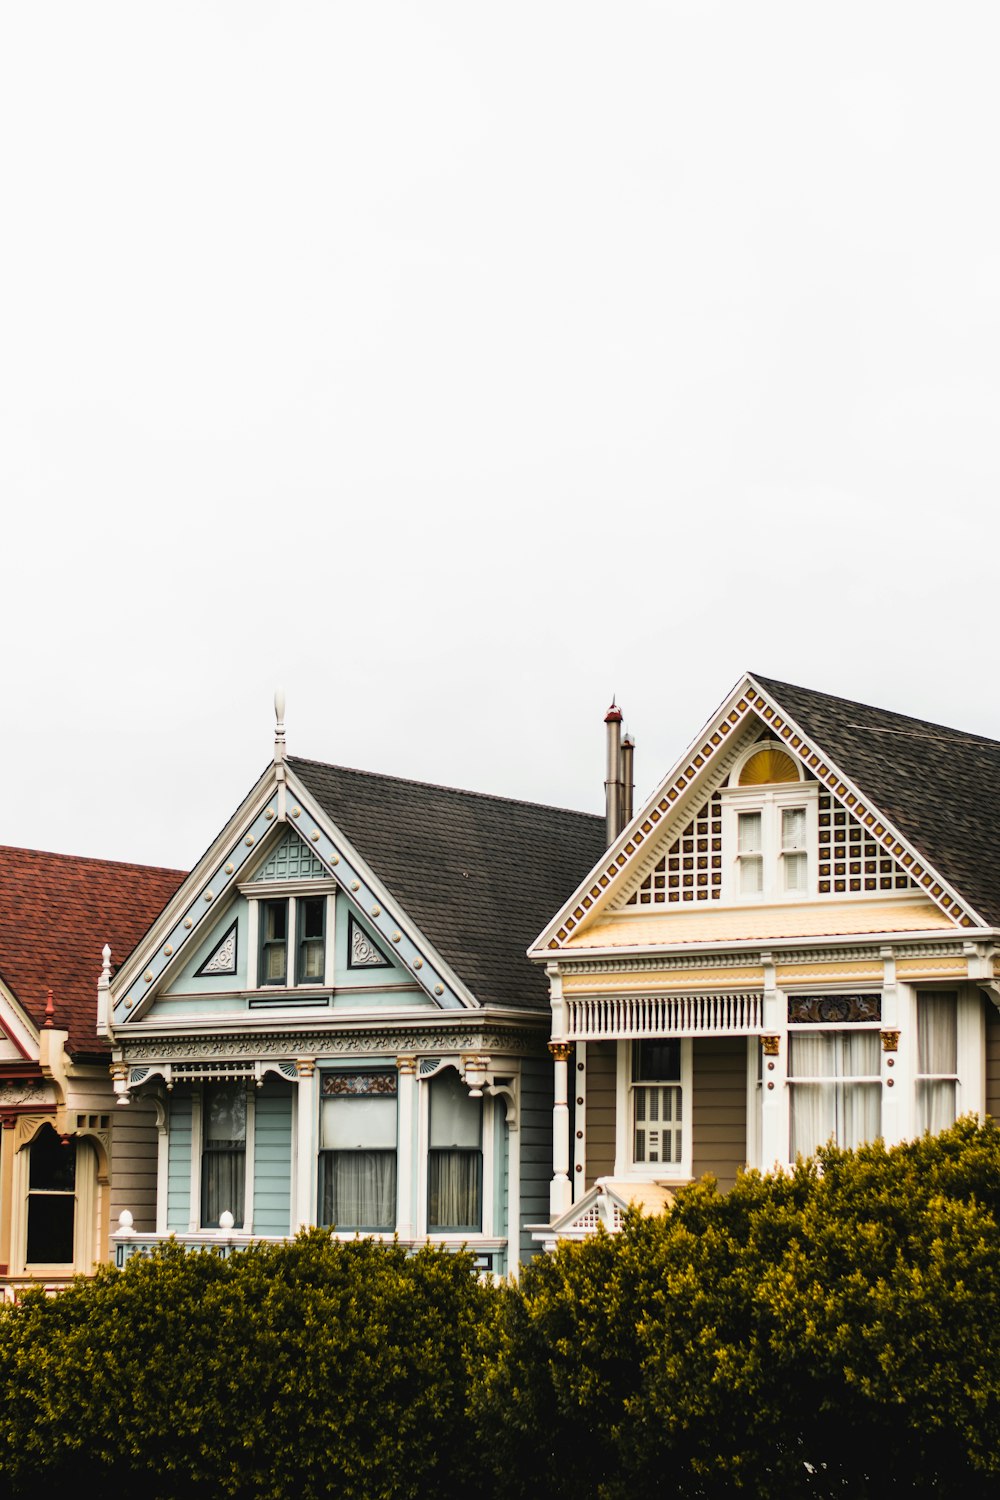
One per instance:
(937,1061)
(770,834)
(223,1156)
(657,1111)
(357,1165)
(273,942)
(51,1200)
(278,920)
(835,1088)
(455,1157)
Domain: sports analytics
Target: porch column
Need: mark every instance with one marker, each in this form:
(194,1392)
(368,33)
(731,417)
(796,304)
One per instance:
(7,1144)
(774,1087)
(409,1137)
(305,1165)
(561,1190)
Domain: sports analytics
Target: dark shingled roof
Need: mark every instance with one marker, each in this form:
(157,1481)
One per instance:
(939,786)
(480,876)
(56,913)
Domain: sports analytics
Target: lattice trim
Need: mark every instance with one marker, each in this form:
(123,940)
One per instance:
(291,860)
(691,869)
(850,858)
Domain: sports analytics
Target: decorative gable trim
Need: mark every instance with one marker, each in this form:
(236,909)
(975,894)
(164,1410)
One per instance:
(716,751)
(277,798)
(15,1026)
(222,959)
(362,951)
(290,859)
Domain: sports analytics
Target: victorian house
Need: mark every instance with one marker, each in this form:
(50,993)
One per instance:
(333,1020)
(68,1162)
(795,940)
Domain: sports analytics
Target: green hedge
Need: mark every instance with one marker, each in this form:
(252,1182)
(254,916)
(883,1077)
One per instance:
(829,1333)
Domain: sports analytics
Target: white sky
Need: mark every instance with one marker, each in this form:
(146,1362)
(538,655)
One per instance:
(456,366)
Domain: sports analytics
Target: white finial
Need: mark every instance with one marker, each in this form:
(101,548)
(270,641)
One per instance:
(103,994)
(106,955)
(279,728)
(226,1220)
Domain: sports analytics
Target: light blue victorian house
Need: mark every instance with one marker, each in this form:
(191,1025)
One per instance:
(333,1022)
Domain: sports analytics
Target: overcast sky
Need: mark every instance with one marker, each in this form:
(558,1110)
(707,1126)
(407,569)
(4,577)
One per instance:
(458,365)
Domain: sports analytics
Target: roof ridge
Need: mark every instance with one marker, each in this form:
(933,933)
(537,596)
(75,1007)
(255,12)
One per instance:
(435,786)
(946,731)
(91,859)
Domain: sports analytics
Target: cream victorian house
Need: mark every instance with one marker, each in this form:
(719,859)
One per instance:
(796,939)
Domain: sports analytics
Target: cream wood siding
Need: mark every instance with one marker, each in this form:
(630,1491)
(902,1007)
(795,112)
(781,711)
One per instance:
(719,1107)
(602,1087)
(133,1165)
(992,1060)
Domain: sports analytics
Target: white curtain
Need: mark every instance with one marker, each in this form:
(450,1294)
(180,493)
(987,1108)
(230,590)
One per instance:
(843,1099)
(223,1161)
(454,1195)
(358,1189)
(937,1061)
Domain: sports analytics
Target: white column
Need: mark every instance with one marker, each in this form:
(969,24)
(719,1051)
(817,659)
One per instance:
(409,1137)
(774,1088)
(561,1190)
(897,1069)
(305,1144)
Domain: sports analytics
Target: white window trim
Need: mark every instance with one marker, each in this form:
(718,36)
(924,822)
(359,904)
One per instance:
(290,892)
(455,1236)
(770,802)
(625,1167)
(197,1136)
(84,1217)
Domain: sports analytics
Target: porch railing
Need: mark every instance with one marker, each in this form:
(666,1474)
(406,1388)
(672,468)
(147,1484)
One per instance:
(728,1013)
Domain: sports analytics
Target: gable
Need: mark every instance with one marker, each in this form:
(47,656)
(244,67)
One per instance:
(674,853)
(291,859)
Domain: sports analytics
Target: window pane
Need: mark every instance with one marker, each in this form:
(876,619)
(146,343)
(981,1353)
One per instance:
(937,1034)
(936,1104)
(224,1116)
(793,828)
(52,1165)
(50,1229)
(223,1160)
(455,1190)
(795,871)
(312,912)
(357,1189)
(750,833)
(751,875)
(456,1117)
(356,1124)
(656,1062)
(657,1123)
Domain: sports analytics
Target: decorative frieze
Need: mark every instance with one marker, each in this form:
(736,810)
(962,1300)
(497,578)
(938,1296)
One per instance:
(197,1049)
(825,1010)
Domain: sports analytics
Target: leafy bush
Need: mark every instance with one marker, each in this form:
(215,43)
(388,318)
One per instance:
(310,1369)
(835,1331)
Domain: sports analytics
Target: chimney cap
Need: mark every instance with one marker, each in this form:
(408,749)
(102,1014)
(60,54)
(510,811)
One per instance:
(613,715)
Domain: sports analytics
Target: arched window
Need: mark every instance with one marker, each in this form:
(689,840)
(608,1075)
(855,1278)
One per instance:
(51,1200)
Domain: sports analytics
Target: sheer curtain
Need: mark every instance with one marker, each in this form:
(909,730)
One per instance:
(358,1161)
(835,1088)
(223,1159)
(937,1061)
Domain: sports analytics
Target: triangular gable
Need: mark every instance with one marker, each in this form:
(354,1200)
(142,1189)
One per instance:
(605,1206)
(18,1039)
(278,799)
(291,859)
(363,952)
(683,794)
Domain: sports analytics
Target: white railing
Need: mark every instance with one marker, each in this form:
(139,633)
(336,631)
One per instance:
(725,1014)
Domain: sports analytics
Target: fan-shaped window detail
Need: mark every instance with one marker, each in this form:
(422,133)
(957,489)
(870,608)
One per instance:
(768,766)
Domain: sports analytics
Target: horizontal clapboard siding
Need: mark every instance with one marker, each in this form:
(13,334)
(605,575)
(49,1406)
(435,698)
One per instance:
(719,1108)
(602,1088)
(272,1164)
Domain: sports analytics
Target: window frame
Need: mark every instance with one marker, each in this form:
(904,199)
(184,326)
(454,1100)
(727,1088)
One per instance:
(840,1082)
(493,1135)
(293,894)
(771,802)
(322,1152)
(85,1189)
(625,1164)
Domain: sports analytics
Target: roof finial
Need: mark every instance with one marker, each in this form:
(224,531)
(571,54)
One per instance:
(50,1009)
(279,728)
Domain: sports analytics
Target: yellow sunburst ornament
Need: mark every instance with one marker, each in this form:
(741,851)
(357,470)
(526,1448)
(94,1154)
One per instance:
(769,765)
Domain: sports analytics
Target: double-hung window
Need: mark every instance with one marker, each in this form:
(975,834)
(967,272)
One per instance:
(657,1103)
(223,1153)
(51,1200)
(835,1088)
(455,1156)
(937,1061)
(357,1165)
(292,940)
(769,827)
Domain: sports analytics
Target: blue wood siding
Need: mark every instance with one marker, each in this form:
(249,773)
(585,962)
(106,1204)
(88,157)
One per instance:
(272,1159)
(536,1151)
(179,1164)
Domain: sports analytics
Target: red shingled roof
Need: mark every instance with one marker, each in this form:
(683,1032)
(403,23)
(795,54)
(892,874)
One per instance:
(56,913)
